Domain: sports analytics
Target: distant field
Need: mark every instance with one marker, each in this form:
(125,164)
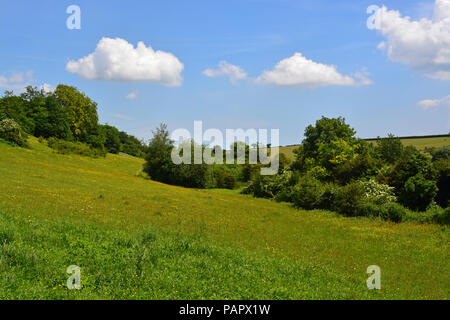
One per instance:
(138,239)
(419,143)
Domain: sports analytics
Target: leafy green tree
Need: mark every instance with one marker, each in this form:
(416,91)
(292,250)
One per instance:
(159,165)
(131,145)
(324,132)
(112,139)
(82,114)
(418,192)
(413,178)
(407,167)
(389,149)
(442,167)
(441,153)
(14,107)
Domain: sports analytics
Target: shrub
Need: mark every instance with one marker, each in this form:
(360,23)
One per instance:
(10,131)
(79,148)
(361,166)
(442,167)
(441,216)
(394,212)
(441,153)
(283,186)
(434,215)
(418,192)
(328,198)
(223,178)
(278,187)
(389,149)
(390,211)
(259,188)
(378,193)
(349,199)
(410,166)
(307,194)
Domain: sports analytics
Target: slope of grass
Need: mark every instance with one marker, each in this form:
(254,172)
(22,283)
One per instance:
(135,238)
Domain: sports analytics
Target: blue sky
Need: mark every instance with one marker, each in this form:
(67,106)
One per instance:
(254,35)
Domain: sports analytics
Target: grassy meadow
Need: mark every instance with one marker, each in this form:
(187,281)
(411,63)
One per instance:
(138,239)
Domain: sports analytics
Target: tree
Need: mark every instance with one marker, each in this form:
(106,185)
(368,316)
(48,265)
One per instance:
(441,153)
(389,149)
(112,139)
(413,178)
(159,165)
(82,114)
(325,131)
(14,107)
(407,167)
(442,167)
(418,192)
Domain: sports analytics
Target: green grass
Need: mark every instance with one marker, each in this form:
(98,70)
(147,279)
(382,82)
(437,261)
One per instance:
(138,239)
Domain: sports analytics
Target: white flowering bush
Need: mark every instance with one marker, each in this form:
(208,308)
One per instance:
(11,132)
(378,193)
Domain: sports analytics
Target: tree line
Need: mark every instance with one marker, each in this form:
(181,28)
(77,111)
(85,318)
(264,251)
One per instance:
(66,115)
(332,170)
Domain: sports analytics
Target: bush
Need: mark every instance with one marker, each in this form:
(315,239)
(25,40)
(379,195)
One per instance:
(394,212)
(278,187)
(378,193)
(349,199)
(442,167)
(356,168)
(10,131)
(441,216)
(418,193)
(389,149)
(307,194)
(259,188)
(434,215)
(79,148)
(410,166)
(441,153)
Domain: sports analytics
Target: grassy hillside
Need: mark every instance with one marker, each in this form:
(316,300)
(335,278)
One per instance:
(135,238)
(419,143)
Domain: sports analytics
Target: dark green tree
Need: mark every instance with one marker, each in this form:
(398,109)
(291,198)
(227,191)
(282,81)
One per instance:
(112,139)
(389,149)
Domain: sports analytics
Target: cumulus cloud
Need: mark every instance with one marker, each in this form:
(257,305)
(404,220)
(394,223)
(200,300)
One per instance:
(47,88)
(301,72)
(422,44)
(428,104)
(118,60)
(132,95)
(227,69)
(17,81)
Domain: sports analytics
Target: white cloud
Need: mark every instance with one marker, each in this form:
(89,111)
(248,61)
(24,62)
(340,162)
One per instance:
(132,95)
(226,69)
(17,81)
(118,60)
(47,88)
(428,104)
(423,44)
(301,72)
